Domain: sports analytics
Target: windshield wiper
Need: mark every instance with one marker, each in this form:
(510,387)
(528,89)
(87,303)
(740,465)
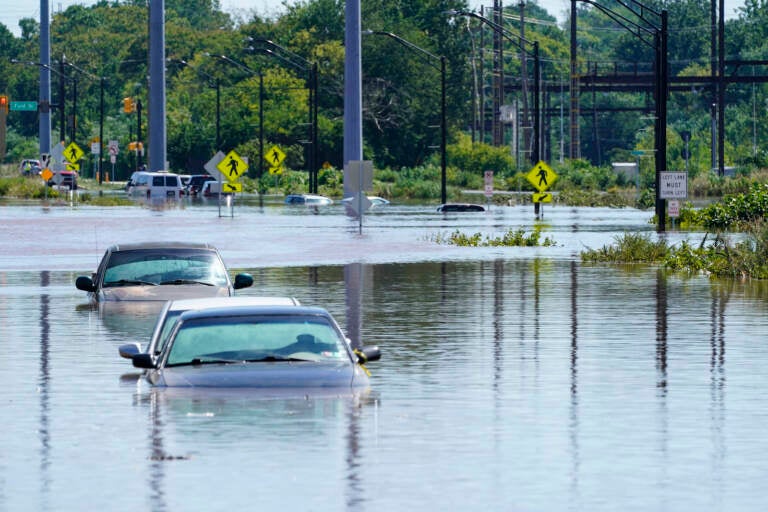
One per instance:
(268,359)
(186,281)
(128,282)
(206,360)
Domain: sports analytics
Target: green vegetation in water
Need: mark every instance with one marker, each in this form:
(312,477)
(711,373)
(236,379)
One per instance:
(512,238)
(720,257)
(102,200)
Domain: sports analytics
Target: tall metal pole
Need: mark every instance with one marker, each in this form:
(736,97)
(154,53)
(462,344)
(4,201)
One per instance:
(218,114)
(353,88)
(101,130)
(721,90)
(62,101)
(443,135)
(44,126)
(157,122)
(575,132)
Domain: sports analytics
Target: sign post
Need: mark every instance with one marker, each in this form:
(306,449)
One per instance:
(542,176)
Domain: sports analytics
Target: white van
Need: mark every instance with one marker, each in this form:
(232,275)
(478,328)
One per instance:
(154,185)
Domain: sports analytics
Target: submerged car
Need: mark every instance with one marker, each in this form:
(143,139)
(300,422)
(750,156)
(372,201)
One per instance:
(308,200)
(259,347)
(460,207)
(160,271)
(174,308)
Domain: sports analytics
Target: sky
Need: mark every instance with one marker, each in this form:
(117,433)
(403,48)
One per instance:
(13,10)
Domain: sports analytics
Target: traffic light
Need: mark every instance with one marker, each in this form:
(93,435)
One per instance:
(128,105)
(4,103)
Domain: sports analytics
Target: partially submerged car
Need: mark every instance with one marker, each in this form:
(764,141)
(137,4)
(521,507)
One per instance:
(259,347)
(460,207)
(308,200)
(159,271)
(174,308)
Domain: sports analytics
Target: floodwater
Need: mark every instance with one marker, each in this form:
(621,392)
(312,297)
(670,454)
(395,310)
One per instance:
(512,379)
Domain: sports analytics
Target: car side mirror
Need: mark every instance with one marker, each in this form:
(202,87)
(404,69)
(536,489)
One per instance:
(85,283)
(368,354)
(129,350)
(243,281)
(143,360)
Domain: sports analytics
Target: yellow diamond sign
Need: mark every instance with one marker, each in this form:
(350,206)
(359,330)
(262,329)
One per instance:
(274,157)
(541,176)
(73,153)
(232,166)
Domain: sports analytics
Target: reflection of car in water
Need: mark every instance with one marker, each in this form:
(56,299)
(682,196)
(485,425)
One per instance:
(159,271)
(258,346)
(174,308)
(308,200)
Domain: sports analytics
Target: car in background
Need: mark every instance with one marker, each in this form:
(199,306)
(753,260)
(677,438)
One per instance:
(154,185)
(308,200)
(375,200)
(30,167)
(160,271)
(67,180)
(196,182)
(174,308)
(258,347)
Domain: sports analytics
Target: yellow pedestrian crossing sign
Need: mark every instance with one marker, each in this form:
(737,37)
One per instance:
(73,153)
(541,176)
(232,166)
(274,157)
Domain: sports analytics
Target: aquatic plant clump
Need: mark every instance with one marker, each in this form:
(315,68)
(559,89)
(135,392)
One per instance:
(720,257)
(512,238)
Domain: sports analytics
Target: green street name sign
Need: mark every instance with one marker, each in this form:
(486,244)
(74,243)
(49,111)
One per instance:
(24,105)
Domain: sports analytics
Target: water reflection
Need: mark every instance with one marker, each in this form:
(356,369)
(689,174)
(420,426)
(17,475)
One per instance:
(44,387)
(193,417)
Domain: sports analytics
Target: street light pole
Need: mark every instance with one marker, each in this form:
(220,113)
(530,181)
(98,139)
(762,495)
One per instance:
(297,61)
(443,120)
(519,42)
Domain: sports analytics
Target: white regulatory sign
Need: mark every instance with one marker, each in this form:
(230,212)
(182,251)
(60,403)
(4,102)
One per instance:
(673,185)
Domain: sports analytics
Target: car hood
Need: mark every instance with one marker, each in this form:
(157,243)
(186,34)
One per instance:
(274,374)
(161,292)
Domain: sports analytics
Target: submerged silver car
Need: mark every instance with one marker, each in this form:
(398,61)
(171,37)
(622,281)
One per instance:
(159,271)
(260,347)
(174,308)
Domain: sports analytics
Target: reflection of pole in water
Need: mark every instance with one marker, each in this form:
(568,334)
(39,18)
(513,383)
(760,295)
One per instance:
(498,320)
(661,330)
(157,455)
(353,284)
(355,492)
(717,379)
(574,413)
(45,378)
(661,368)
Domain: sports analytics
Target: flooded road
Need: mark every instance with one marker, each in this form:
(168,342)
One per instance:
(512,378)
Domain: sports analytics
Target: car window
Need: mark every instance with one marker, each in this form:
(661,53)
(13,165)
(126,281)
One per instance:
(244,338)
(171,181)
(165,331)
(159,266)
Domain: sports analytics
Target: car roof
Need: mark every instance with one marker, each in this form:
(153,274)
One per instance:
(254,310)
(161,245)
(240,300)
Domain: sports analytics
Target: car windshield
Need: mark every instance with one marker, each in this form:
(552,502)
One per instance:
(159,266)
(258,338)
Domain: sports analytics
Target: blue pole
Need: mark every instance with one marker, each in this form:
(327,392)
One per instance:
(156,114)
(45,79)
(353,85)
